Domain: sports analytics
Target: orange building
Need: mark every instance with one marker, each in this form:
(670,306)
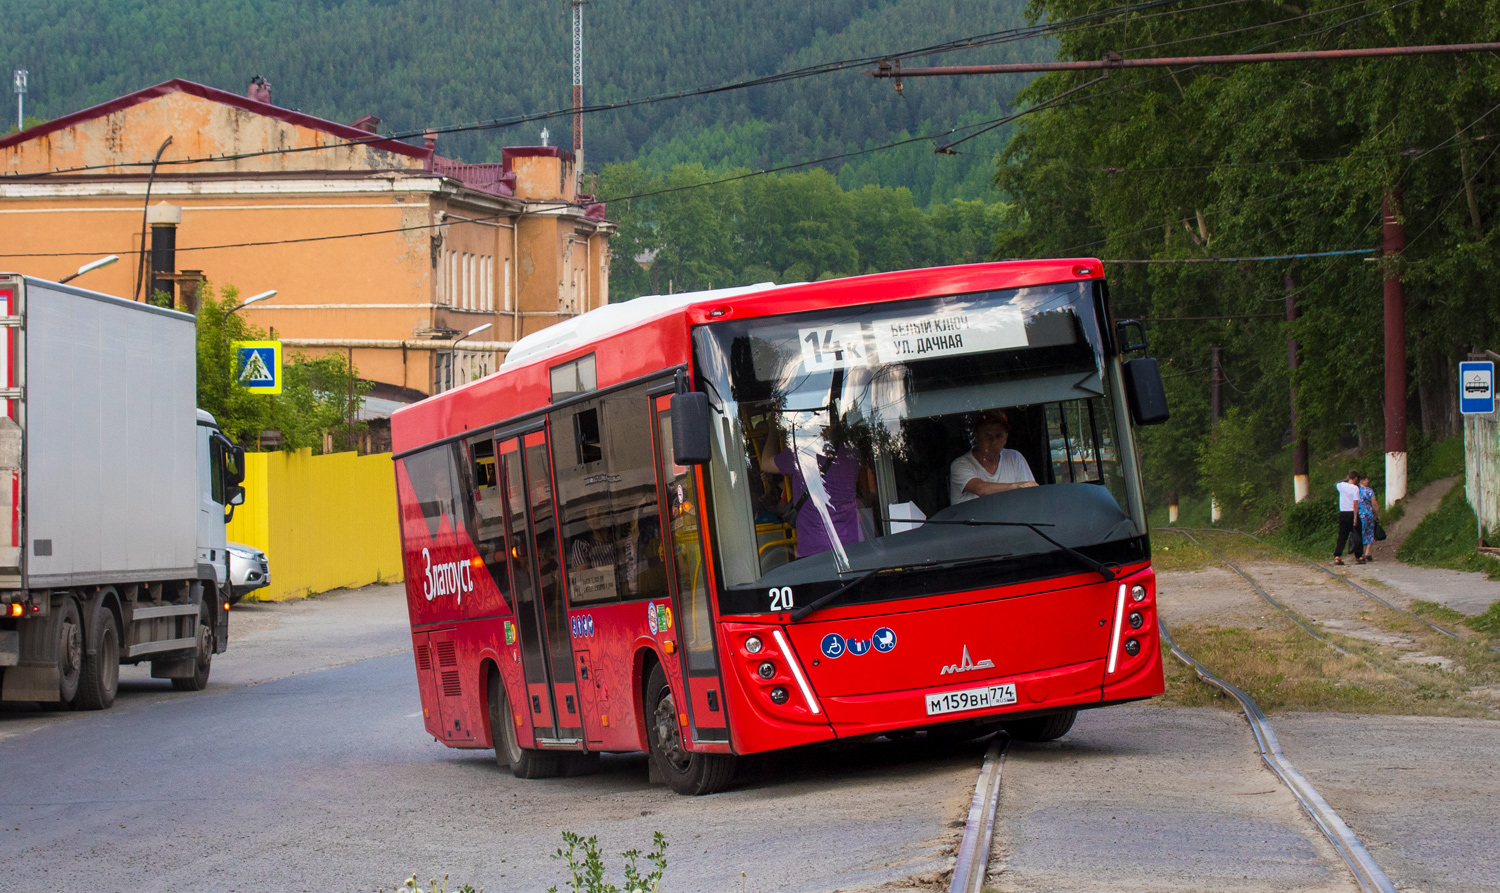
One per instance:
(376,247)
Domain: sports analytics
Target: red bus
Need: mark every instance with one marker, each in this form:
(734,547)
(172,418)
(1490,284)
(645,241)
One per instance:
(721,523)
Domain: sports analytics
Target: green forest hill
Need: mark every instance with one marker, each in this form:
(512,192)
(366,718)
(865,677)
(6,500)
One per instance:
(416,63)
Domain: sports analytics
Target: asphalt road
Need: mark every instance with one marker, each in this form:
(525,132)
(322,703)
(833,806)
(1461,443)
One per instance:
(289,777)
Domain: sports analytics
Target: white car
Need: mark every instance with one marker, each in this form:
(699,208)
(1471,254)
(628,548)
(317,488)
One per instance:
(248,570)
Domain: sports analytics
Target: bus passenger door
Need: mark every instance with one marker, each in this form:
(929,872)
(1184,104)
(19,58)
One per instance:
(683,538)
(527,564)
(541,615)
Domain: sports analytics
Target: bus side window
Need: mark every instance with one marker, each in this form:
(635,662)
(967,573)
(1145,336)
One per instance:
(486,513)
(589,547)
(641,567)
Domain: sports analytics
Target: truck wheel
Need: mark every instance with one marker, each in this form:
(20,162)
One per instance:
(100,677)
(1041,728)
(685,772)
(523,762)
(204,654)
(69,653)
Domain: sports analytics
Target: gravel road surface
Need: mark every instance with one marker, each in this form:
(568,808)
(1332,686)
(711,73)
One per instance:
(1146,798)
(283,776)
(1423,793)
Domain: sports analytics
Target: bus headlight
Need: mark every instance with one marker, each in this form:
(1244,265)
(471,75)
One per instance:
(754,645)
(766,669)
(1138,593)
(1132,647)
(1136,620)
(779,695)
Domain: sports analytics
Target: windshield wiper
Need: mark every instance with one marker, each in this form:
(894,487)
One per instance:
(1098,567)
(805,610)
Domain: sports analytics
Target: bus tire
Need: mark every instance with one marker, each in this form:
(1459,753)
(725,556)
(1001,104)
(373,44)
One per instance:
(1041,728)
(684,771)
(100,676)
(69,652)
(203,656)
(523,762)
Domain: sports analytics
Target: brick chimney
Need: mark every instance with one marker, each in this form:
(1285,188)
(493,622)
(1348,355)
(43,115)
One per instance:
(367,123)
(260,90)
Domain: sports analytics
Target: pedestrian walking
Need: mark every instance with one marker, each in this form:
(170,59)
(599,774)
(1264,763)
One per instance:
(1348,504)
(1368,517)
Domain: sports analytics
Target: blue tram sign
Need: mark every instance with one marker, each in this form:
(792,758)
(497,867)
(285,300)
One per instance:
(1476,387)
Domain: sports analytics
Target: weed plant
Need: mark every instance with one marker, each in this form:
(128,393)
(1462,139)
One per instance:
(586,871)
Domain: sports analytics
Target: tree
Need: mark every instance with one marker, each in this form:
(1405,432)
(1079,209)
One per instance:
(318,395)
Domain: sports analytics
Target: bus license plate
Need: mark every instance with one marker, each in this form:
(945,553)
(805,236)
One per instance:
(971,699)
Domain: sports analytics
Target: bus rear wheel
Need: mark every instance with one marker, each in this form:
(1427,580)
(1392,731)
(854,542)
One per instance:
(685,772)
(1041,728)
(523,762)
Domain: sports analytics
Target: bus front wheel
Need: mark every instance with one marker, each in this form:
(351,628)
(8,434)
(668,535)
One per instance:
(1041,728)
(523,762)
(686,772)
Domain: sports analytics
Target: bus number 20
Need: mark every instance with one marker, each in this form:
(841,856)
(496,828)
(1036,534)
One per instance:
(781,599)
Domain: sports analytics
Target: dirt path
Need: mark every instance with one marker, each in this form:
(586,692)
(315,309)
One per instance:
(1418,506)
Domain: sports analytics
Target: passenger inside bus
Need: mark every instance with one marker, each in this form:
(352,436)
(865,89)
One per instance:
(989,467)
(837,469)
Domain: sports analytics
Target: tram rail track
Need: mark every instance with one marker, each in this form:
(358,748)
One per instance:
(1367,872)
(972,859)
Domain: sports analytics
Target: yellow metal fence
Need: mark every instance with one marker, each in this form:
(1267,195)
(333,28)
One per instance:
(324,522)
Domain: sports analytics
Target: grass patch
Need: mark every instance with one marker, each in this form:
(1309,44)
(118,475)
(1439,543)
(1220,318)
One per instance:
(1175,552)
(1437,613)
(1487,622)
(1283,669)
(1447,538)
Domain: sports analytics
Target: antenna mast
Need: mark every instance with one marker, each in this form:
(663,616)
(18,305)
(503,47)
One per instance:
(577,6)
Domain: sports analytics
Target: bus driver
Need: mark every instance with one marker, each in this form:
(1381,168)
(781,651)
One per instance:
(989,467)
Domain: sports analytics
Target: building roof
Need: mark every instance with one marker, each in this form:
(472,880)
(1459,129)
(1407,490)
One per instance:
(178,85)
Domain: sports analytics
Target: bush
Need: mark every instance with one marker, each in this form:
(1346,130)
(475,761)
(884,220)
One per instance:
(1311,525)
(1235,467)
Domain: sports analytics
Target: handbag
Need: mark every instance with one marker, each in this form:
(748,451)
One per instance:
(1379,532)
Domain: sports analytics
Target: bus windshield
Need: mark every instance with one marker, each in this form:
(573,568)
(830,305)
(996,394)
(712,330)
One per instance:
(913,435)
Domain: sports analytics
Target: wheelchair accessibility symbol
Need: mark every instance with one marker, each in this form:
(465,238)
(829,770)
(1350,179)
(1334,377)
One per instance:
(833,645)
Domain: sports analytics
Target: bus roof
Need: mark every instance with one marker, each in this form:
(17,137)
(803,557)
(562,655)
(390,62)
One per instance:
(612,318)
(637,336)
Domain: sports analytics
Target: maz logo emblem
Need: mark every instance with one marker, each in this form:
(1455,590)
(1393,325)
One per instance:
(967,665)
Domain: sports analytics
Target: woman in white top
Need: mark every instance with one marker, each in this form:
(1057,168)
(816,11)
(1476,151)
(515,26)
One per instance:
(1348,520)
(989,467)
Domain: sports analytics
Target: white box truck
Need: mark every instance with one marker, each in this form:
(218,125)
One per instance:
(114,492)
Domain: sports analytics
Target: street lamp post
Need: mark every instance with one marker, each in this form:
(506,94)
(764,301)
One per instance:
(90,266)
(248,301)
(451,348)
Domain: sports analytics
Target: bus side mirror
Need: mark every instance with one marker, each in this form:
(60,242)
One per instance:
(690,428)
(1144,391)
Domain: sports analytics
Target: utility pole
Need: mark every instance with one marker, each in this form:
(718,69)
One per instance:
(1293,362)
(578,86)
(21,98)
(1215,411)
(1394,243)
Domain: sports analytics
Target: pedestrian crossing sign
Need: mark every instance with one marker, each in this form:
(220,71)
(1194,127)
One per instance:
(257,366)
